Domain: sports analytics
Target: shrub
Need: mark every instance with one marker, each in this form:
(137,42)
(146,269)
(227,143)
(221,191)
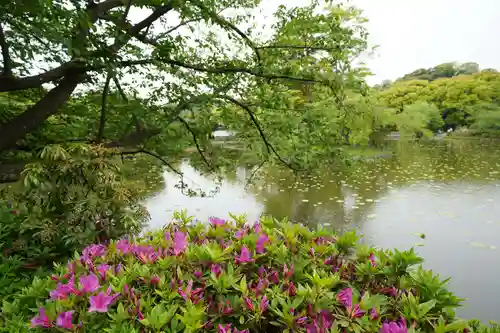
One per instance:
(72,197)
(235,277)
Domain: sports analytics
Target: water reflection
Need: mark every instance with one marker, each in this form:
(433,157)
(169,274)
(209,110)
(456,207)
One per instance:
(446,191)
(232,198)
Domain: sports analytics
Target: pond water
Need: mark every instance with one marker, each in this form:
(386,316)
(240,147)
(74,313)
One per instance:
(448,191)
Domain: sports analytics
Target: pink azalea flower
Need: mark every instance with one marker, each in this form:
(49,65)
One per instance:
(321,324)
(261,243)
(198,274)
(215,221)
(155,280)
(216,269)
(288,273)
(90,283)
(273,277)
(93,251)
(394,327)
(372,260)
(102,269)
(186,293)
(373,314)
(180,242)
(245,256)
(257,227)
(264,304)
(41,320)
(345,297)
(240,233)
(224,329)
(123,246)
(301,320)
(65,320)
(102,301)
(249,303)
(62,291)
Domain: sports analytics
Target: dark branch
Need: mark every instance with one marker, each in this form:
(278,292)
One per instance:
(180,25)
(127,10)
(226,24)
(155,155)
(225,69)
(102,121)
(270,148)
(120,90)
(13,83)
(254,172)
(7,62)
(195,140)
(297,47)
(135,30)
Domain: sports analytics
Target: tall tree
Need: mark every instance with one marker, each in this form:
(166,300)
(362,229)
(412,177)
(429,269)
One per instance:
(175,52)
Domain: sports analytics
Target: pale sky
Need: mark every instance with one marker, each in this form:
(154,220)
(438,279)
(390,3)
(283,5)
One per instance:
(412,34)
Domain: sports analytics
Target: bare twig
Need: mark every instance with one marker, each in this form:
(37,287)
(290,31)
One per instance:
(155,155)
(182,24)
(297,47)
(270,148)
(254,172)
(195,140)
(226,24)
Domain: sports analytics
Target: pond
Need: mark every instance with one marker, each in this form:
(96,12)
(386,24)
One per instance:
(440,198)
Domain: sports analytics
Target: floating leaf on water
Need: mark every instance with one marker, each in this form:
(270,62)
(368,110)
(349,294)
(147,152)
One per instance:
(419,234)
(419,244)
(484,246)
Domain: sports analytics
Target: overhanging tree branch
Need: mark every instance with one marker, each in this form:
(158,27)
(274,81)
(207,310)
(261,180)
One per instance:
(270,148)
(226,24)
(195,140)
(155,155)
(297,47)
(224,69)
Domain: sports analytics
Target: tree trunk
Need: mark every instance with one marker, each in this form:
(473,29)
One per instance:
(35,116)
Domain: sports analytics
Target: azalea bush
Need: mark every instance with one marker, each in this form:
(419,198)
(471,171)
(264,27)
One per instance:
(74,195)
(235,276)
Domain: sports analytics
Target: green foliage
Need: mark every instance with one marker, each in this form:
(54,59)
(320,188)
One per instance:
(74,196)
(462,100)
(231,277)
(206,65)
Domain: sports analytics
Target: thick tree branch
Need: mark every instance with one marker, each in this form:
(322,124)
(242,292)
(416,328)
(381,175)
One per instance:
(7,62)
(135,30)
(270,148)
(27,121)
(12,83)
(195,140)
